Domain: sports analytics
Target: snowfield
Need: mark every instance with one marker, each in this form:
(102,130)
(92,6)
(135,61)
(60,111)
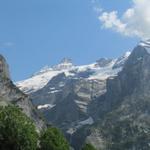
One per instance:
(100,72)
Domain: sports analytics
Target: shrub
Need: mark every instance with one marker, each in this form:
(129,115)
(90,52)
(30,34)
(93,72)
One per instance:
(17,131)
(53,139)
(88,147)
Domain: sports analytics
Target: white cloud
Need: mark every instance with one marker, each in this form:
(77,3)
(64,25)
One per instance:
(110,20)
(97,6)
(135,21)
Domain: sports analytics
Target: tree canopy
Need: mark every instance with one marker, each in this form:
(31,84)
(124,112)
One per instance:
(53,139)
(88,147)
(17,131)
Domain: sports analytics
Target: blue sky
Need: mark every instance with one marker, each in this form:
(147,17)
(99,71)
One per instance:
(35,33)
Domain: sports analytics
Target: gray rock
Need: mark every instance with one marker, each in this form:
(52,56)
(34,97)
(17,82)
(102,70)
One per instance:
(10,94)
(124,110)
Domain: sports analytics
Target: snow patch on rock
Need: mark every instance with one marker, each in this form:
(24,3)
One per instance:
(45,106)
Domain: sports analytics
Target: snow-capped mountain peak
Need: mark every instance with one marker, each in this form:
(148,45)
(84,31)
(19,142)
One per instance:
(65,63)
(145,43)
(121,60)
(100,70)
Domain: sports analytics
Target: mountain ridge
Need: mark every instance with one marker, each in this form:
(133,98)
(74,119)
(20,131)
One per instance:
(91,103)
(123,110)
(76,87)
(41,78)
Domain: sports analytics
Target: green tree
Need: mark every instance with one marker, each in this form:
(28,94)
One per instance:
(17,131)
(88,147)
(53,139)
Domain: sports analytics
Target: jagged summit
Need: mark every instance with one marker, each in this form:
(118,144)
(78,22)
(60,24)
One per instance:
(10,94)
(145,43)
(99,70)
(121,60)
(65,63)
(4,69)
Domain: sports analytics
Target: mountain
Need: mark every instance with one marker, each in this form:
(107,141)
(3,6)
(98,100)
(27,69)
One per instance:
(106,103)
(10,94)
(124,110)
(65,93)
(101,69)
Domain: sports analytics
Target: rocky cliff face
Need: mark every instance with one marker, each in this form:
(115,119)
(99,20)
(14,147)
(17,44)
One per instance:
(106,103)
(4,69)
(67,94)
(10,94)
(71,110)
(67,101)
(124,110)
